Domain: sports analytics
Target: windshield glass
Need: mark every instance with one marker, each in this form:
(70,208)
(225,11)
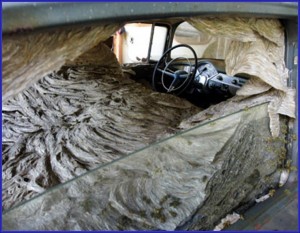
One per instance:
(205,46)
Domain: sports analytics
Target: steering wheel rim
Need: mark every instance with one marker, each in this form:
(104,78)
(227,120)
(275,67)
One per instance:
(186,83)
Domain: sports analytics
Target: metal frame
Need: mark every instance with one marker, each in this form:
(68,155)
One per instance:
(21,16)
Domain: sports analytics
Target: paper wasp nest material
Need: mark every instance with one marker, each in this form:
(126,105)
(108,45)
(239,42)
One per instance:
(88,114)
(256,49)
(189,181)
(70,121)
(29,56)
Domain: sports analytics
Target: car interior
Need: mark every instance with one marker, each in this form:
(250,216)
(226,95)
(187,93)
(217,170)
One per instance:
(150,118)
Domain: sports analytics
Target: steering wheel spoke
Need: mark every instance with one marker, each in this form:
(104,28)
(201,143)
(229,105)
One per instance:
(171,71)
(173,85)
(166,72)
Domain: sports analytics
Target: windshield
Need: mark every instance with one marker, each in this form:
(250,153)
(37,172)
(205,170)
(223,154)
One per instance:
(205,45)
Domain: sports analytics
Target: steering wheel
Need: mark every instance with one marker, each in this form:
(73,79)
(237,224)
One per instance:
(173,80)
